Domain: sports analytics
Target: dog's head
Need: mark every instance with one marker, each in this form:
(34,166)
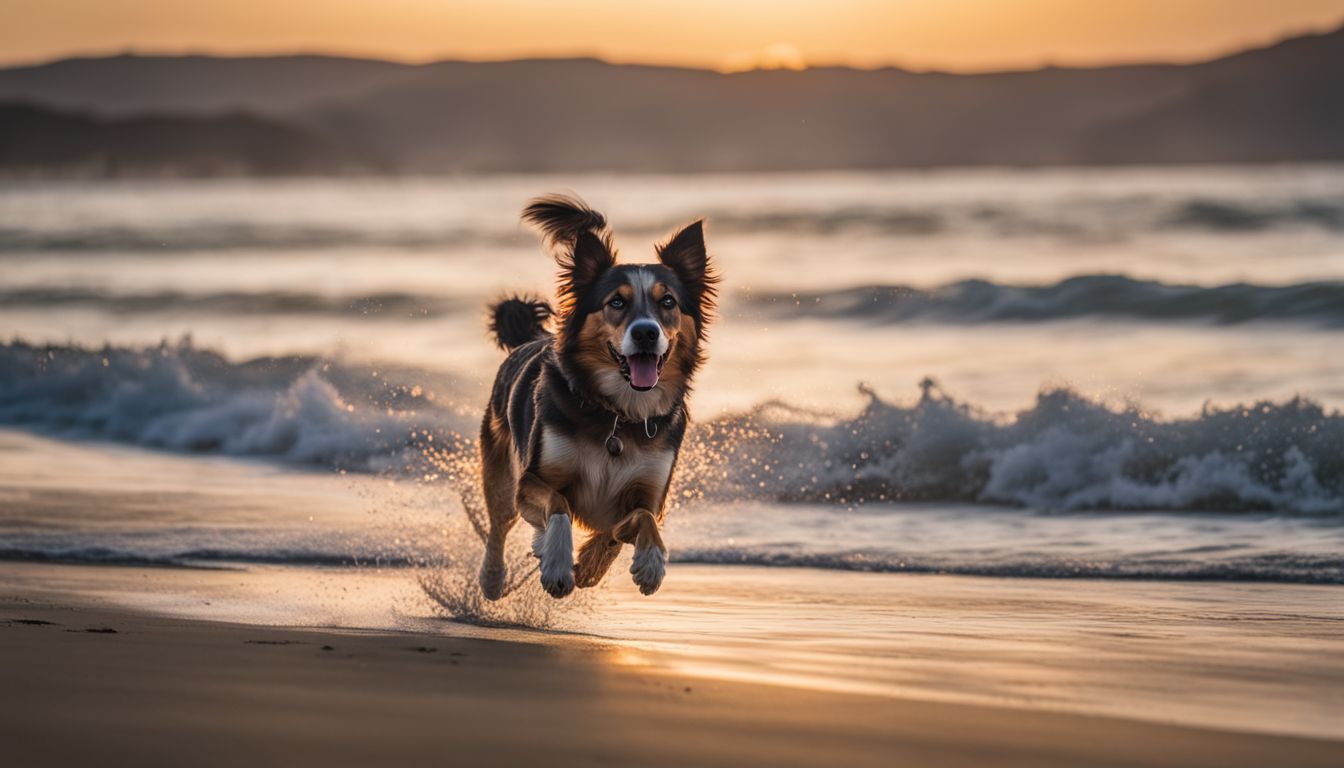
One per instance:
(631,332)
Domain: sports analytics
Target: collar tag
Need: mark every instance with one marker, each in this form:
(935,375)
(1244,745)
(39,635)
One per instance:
(614,444)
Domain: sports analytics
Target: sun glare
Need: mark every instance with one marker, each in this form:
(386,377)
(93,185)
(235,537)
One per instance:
(773,56)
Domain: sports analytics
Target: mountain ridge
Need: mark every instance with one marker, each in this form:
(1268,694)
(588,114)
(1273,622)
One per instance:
(1268,104)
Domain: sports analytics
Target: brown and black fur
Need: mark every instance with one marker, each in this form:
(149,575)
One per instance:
(560,394)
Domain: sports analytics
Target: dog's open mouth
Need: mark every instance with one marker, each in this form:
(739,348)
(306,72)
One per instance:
(640,370)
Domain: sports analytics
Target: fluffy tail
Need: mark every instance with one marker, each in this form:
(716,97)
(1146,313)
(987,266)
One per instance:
(519,319)
(562,218)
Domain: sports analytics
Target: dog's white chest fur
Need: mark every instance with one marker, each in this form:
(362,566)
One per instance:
(596,477)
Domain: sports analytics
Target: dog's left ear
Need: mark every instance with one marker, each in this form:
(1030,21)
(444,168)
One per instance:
(686,256)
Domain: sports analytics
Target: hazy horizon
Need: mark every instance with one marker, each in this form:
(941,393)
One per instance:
(917,36)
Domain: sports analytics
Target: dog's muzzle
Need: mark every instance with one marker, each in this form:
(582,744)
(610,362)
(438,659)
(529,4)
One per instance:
(641,369)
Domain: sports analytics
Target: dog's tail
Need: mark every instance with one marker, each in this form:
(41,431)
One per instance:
(562,218)
(516,320)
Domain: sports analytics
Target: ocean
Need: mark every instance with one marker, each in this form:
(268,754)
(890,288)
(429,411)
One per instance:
(1104,373)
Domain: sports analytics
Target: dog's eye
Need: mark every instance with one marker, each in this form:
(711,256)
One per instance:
(668,301)
(616,303)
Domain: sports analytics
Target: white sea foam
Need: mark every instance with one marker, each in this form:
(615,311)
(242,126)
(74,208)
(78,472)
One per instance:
(177,397)
(1066,452)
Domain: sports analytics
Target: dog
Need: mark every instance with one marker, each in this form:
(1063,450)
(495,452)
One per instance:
(585,421)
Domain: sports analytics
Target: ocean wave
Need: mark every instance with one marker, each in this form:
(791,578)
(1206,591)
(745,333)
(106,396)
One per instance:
(241,235)
(199,558)
(1084,218)
(967,302)
(1067,451)
(1093,296)
(1281,567)
(1219,215)
(1299,568)
(180,398)
(1088,218)
(390,305)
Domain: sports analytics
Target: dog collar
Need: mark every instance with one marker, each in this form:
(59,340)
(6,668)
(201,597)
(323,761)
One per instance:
(614,444)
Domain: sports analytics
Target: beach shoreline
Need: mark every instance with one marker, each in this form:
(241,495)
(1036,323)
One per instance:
(1262,658)
(118,687)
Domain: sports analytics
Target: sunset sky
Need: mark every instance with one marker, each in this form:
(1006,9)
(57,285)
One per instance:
(961,35)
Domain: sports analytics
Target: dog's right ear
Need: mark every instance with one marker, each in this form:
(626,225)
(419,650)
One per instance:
(577,235)
(586,262)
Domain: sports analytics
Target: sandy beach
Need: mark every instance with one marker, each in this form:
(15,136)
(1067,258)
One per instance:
(637,384)
(122,666)
(117,688)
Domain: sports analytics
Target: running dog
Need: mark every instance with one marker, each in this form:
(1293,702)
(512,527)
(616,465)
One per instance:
(585,422)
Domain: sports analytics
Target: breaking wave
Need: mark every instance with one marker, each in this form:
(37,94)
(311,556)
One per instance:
(1095,296)
(1066,452)
(180,398)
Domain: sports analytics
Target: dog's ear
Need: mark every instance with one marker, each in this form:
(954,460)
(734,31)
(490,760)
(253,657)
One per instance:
(590,258)
(686,256)
(578,237)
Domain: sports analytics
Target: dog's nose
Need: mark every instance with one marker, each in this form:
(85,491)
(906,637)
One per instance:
(645,334)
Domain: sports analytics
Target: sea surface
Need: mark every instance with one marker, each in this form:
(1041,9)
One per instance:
(1122,374)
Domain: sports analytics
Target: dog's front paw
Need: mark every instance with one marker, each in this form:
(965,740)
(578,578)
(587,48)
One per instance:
(556,551)
(648,569)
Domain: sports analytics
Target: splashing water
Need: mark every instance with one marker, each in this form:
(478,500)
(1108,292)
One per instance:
(450,578)
(1066,452)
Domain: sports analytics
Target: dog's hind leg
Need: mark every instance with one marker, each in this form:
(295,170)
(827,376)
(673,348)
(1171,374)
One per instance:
(595,559)
(498,485)
(553,541)
(650,565)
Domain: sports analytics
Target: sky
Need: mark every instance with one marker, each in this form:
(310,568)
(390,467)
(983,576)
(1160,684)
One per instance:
(955,35)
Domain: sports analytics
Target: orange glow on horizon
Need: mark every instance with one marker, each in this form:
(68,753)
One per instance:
(956,35)
(774,56)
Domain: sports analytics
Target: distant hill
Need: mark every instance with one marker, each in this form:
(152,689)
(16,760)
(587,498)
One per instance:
(1276,104)
(38,141)
(129,84)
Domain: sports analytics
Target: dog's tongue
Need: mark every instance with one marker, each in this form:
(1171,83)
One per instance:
(643,370)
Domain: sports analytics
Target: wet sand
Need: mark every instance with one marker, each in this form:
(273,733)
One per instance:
(113,687)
